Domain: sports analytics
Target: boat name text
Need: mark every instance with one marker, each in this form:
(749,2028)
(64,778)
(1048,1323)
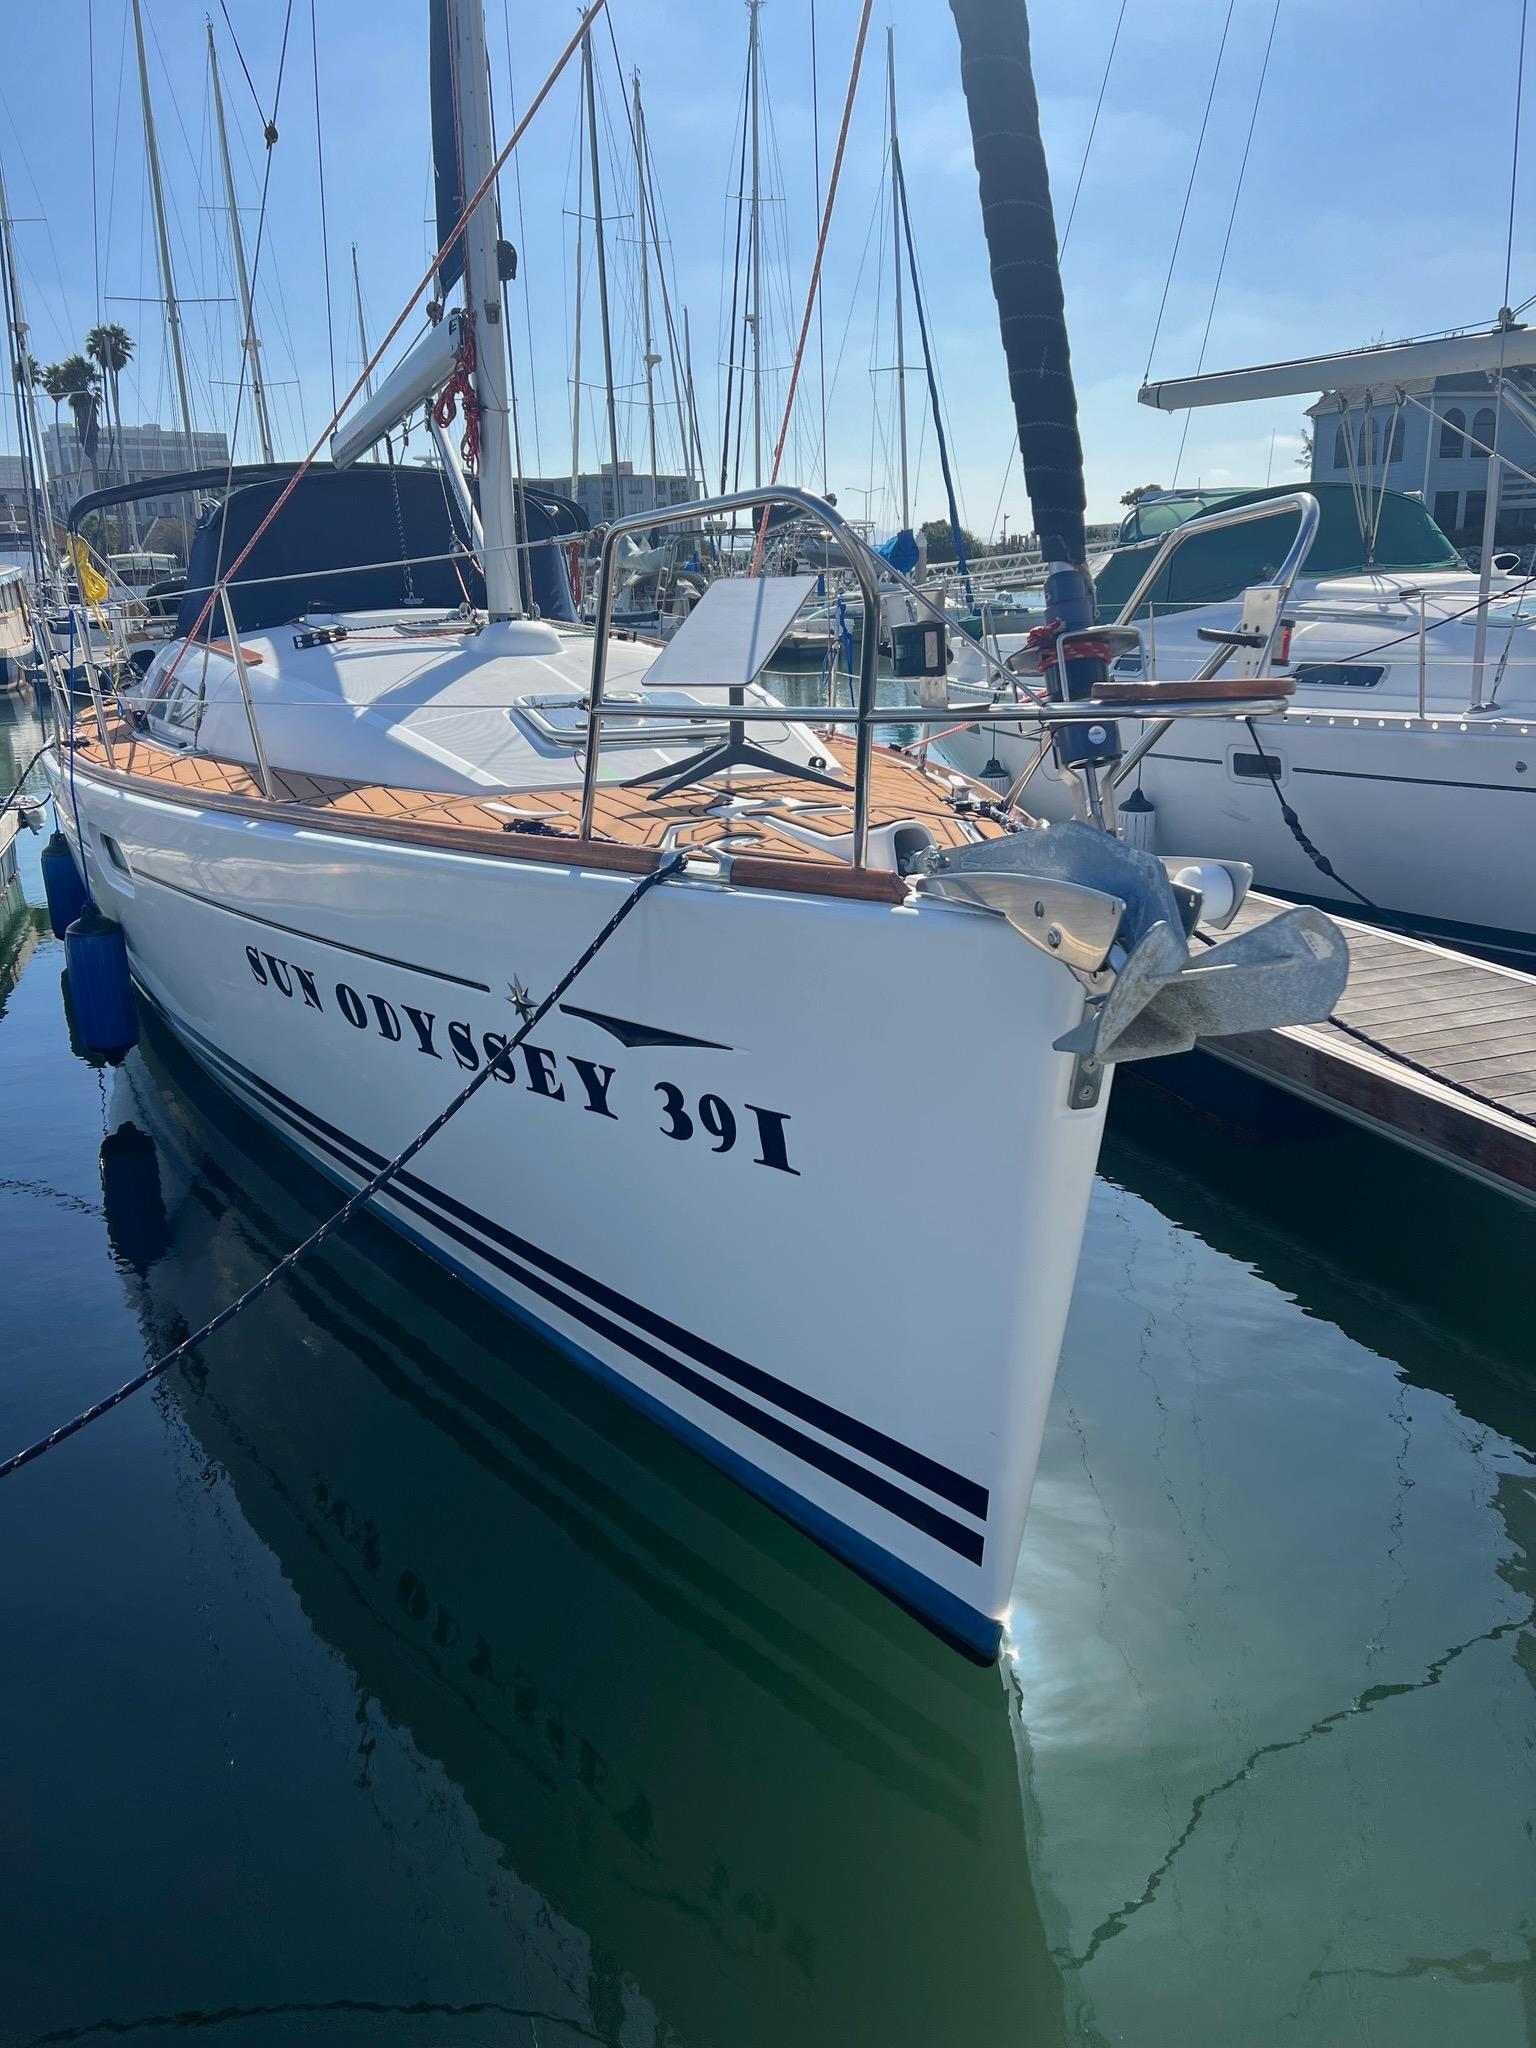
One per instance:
(682,1117)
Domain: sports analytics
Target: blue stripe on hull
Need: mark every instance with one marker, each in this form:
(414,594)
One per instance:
(979,1635)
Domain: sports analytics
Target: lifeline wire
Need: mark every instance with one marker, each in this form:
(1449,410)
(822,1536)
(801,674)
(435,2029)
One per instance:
(354,1202)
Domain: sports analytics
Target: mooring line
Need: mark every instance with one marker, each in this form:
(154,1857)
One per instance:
(365,1193)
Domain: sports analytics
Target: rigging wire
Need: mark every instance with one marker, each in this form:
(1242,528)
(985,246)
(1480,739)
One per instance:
(1226,244)
(1093,129)
(90,67)
(522,234)
(730,341)
(1210,97)
(1066,233)
(814,288)
(270,129)
(1514,156)
(821,315)
(255,95)
(325,241)
(455,234)
(649,221)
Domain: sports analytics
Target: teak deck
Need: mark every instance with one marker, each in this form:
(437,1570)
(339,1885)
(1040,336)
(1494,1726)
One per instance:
(1470,1023)
(632,828)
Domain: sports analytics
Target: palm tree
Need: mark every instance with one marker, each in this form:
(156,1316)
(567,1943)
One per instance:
(51,378)
(111,348)
(78,376)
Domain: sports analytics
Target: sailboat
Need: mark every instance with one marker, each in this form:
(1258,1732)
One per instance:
(800,1160)
(1405,755)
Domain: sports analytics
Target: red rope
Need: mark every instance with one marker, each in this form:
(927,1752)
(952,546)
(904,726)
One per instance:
(815,285)
(588,17)
(460,386)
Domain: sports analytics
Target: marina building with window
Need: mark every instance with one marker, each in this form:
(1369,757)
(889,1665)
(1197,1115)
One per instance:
(1436,442)
(637,492)
(143,452)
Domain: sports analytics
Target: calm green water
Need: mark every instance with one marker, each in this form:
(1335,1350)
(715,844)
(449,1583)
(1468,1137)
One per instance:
(382,1681)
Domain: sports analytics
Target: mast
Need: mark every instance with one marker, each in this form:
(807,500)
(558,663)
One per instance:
(602,268)
(34,459)
(362,333)
(250,344)
(167,277)
(901,353)
(651,357)
(757,250)
(581,224)
(696,442)
(482,304)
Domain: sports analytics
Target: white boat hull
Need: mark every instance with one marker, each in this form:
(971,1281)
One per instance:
(1430,819)
(772,1169)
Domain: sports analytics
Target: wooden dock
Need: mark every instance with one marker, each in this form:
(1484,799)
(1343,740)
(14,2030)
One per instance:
(1450,1071)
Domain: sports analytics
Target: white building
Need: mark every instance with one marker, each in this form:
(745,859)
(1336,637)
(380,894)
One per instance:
(639,493)
(141,452)
(1442,452)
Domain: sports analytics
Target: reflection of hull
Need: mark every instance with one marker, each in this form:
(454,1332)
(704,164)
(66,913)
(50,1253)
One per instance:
(19,930)
(747,1785)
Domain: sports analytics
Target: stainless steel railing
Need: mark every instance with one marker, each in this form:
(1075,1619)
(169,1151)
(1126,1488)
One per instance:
(1309,517)
(870,570)
(862,562)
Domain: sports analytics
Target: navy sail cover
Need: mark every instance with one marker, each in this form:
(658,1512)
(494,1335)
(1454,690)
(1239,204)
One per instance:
(348,537)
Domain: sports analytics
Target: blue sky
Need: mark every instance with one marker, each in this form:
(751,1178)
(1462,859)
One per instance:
(1374,205)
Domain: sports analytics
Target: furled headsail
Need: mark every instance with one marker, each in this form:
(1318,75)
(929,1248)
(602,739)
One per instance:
(447,158)
(1020,227)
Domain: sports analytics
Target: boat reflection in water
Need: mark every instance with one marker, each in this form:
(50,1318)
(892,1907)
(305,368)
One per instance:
(745,1799)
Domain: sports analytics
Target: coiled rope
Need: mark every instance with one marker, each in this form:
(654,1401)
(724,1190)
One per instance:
(365,1193)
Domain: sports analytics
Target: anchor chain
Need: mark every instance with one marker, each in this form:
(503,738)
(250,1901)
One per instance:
(354,1202)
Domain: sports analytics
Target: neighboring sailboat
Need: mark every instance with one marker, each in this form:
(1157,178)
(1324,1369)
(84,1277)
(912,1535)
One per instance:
(1406,752)
(368,801)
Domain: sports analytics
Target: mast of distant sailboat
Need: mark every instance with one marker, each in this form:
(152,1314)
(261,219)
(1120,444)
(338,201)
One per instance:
(163,239)
(249,341)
